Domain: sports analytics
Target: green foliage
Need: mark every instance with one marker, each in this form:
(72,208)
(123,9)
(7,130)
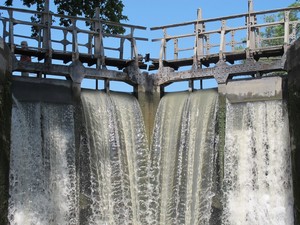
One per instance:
(110,10)
(273,35)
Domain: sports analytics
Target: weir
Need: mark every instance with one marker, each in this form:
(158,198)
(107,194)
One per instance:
(150,157)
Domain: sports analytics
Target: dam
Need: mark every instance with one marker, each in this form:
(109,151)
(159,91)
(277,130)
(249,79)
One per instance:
(225,155)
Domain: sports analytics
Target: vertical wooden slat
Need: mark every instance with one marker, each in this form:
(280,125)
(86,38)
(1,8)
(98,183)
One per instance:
(75,50)
(222,40)
(199,48)
(11,30)
(176,48)
(99,49)
(286,29)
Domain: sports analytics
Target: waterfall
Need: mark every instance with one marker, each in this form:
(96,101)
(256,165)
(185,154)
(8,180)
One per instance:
(182,159)
(42,165)
(257,164)
(114,157)
(112,177)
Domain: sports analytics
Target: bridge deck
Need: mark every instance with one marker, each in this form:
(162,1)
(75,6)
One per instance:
(66,57)
(231,57)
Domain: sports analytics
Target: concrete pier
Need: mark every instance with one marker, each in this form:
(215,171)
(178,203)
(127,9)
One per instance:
(293,89)
(5,126)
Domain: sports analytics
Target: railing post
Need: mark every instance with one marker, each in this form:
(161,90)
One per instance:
(65,32)
(199,48)
(232,43)
(286,30)
(250,30)
(11,30)
(121,50)
(176,48)
(47,20)
(99,49)
(191,85)
(4,34)
(75,51)
(134,51)
(222,40)
(163,48)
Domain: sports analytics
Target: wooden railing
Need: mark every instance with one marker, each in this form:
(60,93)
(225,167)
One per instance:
(206,41)
(229,38)
(78,39)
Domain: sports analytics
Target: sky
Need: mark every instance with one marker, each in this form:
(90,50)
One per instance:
(164,12)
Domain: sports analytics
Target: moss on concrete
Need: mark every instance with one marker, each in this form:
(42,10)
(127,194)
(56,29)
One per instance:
(293,98)
(5,125)
(294,118)
(219,166)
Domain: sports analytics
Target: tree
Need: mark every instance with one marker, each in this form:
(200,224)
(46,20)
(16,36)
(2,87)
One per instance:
(110,10)
(277,31)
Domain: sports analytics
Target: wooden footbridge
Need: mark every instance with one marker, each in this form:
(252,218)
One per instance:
(218,48)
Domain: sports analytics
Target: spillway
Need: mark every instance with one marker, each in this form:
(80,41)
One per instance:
(183,158)
(114,160)
(42,167)
(92,164)
(257,165)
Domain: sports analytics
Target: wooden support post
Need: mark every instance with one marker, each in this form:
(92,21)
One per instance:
(222,40)
(11,30)
(250,30)
(191,85)
(106,85)
(163,49)
(65,40)
(161,53)
(99,49)
(176,48)
(286,30)
(121,50)
(199,42)
(47,20)
(75,50)
(134,51)
(97,86)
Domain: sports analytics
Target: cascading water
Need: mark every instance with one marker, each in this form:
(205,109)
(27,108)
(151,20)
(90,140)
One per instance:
(42,166)
(114,179)
(182,159)
(114,158)
(257,165)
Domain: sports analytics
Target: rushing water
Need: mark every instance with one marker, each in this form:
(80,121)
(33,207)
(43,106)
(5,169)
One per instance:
(258,183)
(114,159)
(42,166)
(112,177)
(182,157)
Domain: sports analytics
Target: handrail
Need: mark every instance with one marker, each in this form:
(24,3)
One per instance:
(52,37)
(251,32)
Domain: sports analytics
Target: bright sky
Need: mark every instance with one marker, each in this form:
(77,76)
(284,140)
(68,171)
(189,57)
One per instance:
(161,12)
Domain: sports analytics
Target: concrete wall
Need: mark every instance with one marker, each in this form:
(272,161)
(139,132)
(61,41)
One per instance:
(5,124)
(293,68)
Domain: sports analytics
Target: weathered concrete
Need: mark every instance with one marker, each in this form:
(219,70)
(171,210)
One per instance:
(148,96)
(267,88)
(5,125)
(43,90)
(293,68)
